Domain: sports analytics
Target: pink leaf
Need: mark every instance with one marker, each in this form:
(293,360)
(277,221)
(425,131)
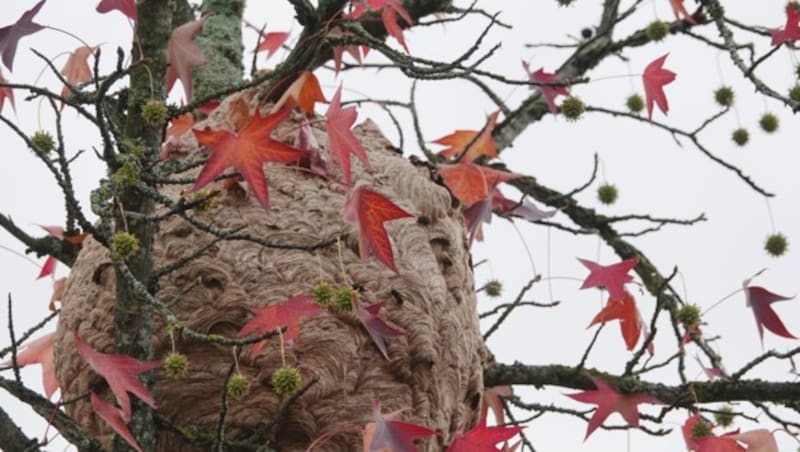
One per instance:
(759,440)
(387,435)
(608,401)
(183,53)
(341,140)
(549,91)
(127,7)
(680,11)
(654,78)
(760,300)
(115,418)
(482,438)
(120,373)
(11,34)
(368,210)
(48,268)
(40,351)
(6,93)
(308,143)
(791,30)
(377,328)
(285,314)
(612,277)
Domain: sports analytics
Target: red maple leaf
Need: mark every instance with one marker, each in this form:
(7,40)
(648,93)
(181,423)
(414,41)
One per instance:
(608,401)
(341,140)
(271,42)
(11,34)
(48,268)
(791,30)
(120,373)
(6,93)
(246,151)
(377,328)
(40,351)
(680,11)
(709,443)
(127,7)
(612,277)
(471,183)
(284,314)
(760,300)
(76,70)
(183,53)
(58,232)
(547,87)
(630,321)
(303,93)
(470,143)
(654,78)
(115,418)
(482,438)
(391,9)
(368,210)
(339,51)
(387,435)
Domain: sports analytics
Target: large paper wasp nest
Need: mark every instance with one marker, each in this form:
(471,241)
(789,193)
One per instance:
(433,374)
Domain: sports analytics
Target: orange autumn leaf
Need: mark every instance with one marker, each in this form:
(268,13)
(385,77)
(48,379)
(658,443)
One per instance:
(238,113)
(246,151)
(475,142)
(368,210)
(471,183)
(302,93)
(623,309)
(180,125)
(76,70)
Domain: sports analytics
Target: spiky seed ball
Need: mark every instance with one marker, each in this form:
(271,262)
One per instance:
(154,113)
(776,244)
(607,193)
(43,141)
(323,294)
(176,365)
(688,315)
(123,246)
(238,386)
(634,103)
(740,136)
(724,96)
(343,298)
(797,71)
(768,122)
(794,92)
(564,2)
(701,429)
(657,30)
(126,175)
(204,199)
(494,288)
(586,33)
(724,417)
(572,108)
(286,380)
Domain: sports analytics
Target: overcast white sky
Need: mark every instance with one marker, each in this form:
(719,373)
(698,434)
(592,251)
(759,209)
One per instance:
(654,175)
